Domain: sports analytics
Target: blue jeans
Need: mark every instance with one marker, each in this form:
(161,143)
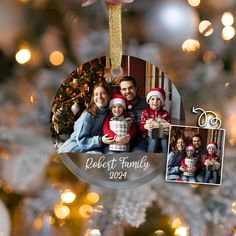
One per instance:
(157,145)
(191,179)
(139,145)
(213,174)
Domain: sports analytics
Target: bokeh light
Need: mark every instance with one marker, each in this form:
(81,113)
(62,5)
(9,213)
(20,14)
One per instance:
(94,232)
(194,3)
(61,211)
(190,45)
(176,223)
(181,231)
(23,56)
(205,28)
(56,58)
(68,196)
(227,19)
(85,211)
(233,209)
(93,197)
(159,233)
(228,32)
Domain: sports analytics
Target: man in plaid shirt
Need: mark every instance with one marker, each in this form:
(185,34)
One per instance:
(119,125)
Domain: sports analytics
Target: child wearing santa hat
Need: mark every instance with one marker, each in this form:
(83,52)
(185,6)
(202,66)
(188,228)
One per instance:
(189,164)
(211,163)
(156,99)
(118,124)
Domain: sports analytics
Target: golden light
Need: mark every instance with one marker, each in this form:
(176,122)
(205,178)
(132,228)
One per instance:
(85,211)
(194,185)
(181,231)
(4,154)
(228,32)
(176,223)
(190,45)
(209,56)
(56,58)
(231,121)
(51,220)
(205,28)
(68,196)
(32,98)
(227,85)
(61,211)
(23,56)
(194,3)
(94,232)
(38,223)
(233,209)
(227,19)
(93,197)
(159,232)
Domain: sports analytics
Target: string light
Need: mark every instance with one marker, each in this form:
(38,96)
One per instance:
(93,197)
(181,231)
(94,232)
(227,19)
(32,98)
(228,32)
(23,56)
(85,211)
(68,196)
(194,3)
(190,45)
(4,154)
(233,209)
(205,28)
(61,211)
(38,223)
(159,232)
(176,223)
(56,58)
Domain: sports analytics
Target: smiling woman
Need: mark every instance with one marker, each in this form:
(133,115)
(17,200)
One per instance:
(87,135)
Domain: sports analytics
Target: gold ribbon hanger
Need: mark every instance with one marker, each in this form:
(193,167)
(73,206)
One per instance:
(115,39)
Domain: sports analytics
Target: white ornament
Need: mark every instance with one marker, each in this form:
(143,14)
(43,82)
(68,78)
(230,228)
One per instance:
(171,23)
(75,108)
(5,222)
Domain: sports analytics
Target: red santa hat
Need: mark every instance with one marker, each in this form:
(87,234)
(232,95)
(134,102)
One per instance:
(117,98)
(190,147)
(212,145)
(159,92)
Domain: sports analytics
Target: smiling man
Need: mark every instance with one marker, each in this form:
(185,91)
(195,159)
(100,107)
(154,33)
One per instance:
(129,89)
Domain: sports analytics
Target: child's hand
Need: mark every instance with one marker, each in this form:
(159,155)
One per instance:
(191,169)
(122,140)
(217,165)
(107,139)
(182,168)
(148,126)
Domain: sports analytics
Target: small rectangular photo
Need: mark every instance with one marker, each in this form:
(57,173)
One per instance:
(195,155)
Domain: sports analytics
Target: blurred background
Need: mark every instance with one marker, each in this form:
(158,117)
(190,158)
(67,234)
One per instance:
(41,43)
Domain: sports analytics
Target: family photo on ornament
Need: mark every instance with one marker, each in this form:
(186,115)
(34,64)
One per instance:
(195,155)
(131,114)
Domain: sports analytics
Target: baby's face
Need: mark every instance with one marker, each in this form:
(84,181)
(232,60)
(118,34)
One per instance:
(117,110)
(154,102)
(190,153)
(211,150)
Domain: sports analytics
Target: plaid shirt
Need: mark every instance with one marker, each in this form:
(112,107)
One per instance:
(119,126)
